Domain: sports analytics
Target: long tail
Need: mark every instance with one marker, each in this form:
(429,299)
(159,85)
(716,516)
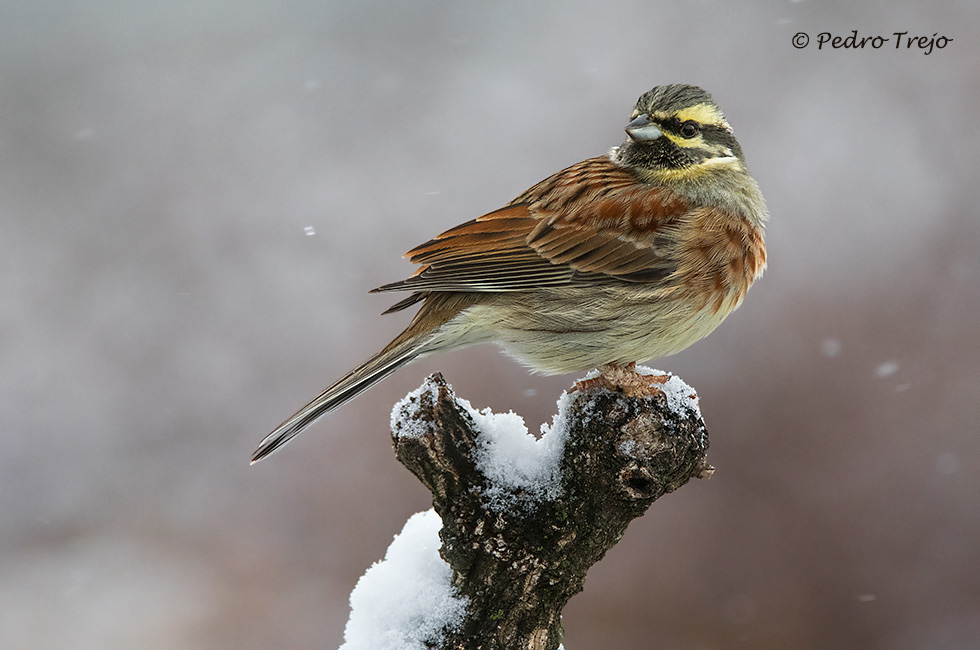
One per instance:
(403,350)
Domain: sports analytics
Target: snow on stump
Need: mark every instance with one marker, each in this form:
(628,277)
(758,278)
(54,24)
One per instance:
(523,519)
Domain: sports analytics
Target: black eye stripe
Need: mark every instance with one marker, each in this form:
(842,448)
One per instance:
(685,129)
(711,134)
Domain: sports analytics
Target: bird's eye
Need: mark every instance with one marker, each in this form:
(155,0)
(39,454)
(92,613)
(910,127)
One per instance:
(690,129)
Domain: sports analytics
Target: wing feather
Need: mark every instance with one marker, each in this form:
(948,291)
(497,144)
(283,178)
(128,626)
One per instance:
(593,222)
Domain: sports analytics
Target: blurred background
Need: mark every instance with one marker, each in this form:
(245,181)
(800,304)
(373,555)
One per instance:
(195,198)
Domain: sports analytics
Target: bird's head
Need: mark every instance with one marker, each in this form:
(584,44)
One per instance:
(678,132)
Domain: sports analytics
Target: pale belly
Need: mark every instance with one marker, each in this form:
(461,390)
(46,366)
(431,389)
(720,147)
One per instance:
(577,330)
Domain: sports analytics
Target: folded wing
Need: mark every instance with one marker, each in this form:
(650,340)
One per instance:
(593,222)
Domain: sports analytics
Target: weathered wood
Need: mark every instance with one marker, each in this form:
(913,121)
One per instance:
(519,565)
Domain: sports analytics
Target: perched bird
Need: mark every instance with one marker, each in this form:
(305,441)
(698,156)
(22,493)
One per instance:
(615,260)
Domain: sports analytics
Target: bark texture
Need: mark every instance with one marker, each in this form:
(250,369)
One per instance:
(519,565)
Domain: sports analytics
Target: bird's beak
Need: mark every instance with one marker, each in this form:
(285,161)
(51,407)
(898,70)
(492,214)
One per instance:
(642,129)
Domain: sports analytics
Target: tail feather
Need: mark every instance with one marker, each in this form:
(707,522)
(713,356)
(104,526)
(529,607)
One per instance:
(393,357)
(425,334)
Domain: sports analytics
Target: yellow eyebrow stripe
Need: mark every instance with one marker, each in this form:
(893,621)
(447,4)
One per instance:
(703,113)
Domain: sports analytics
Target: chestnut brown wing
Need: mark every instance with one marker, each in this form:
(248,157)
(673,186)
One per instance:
(593,222)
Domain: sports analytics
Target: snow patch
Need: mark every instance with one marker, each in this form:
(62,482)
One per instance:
(405,422)
(519,467)
(406,601)
(680,396)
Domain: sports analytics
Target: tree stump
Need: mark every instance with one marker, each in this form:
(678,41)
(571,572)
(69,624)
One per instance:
(518,553)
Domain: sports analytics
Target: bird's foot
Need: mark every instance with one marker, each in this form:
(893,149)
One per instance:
(623,379)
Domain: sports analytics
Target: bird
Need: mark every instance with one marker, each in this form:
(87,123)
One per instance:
(618,259)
